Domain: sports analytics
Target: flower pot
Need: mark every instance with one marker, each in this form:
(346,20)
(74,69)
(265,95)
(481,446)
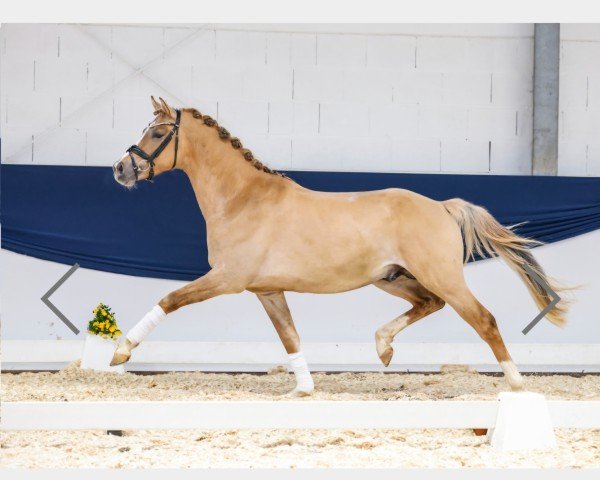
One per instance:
(97,354)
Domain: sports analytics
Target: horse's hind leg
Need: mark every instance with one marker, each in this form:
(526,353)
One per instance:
(484,323)
(449,284)
(279,313)
(424,302)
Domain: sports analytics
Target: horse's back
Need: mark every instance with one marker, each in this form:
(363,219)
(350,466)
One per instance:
(344,240)
(373,205)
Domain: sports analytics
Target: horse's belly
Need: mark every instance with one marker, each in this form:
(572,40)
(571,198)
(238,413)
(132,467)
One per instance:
(319,275)
(307,285)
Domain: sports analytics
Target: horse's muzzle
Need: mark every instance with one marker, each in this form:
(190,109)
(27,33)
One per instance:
(123,173)
(118,167)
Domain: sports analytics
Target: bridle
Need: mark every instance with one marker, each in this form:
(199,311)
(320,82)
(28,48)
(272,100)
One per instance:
(152,156)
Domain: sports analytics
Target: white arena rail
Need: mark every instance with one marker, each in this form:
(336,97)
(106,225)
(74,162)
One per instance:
(303,414)
(260,356)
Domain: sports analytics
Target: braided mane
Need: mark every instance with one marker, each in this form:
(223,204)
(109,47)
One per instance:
(235,142)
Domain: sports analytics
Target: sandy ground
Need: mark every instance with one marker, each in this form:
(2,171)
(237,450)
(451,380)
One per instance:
(284,448)
(459,383)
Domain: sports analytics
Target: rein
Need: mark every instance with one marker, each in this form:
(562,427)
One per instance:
(150,157)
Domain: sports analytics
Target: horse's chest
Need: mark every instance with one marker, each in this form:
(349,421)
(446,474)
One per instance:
(229,250)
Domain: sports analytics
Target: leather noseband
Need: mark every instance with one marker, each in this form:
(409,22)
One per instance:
(150,157)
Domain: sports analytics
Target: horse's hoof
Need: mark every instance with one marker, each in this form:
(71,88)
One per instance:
(512,376)
(296,393)
(517,387)
(386,356)
(122,354)
(119,358)
(384,349)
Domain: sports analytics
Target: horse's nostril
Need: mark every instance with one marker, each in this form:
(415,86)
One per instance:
(120,167)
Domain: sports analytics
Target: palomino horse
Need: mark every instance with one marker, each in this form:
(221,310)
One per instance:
(267,234)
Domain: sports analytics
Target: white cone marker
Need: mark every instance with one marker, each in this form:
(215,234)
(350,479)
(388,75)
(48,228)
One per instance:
(97,354)
(523,423)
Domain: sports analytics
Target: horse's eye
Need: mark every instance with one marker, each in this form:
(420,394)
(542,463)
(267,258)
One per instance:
(157,134)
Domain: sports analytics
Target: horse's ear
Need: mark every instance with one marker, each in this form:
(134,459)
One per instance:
(155,105)
(166,108)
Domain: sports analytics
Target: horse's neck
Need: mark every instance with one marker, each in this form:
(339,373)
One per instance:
(225,184)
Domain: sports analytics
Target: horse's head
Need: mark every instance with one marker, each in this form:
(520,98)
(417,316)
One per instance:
(156,151)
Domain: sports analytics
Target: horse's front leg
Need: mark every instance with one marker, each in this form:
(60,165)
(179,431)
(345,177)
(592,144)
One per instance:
(212,284)
(279,313)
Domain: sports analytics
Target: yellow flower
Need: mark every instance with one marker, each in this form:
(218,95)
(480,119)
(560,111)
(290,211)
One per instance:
(104,322)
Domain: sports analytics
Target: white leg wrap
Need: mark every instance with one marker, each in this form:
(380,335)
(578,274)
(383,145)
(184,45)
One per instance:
(298,365)
(146,325)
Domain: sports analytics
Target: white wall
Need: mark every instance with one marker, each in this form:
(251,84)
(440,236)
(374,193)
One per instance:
(424,98)
(579,115)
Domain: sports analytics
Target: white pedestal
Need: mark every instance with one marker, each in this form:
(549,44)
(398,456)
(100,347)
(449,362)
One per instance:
(97,354)
(523,423)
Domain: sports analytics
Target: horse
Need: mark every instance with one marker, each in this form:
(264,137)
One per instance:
(268,235)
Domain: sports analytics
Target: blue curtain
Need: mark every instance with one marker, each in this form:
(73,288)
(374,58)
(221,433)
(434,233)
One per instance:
(80,214)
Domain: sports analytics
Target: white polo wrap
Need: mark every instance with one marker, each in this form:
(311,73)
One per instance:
(146,325)
(298,365)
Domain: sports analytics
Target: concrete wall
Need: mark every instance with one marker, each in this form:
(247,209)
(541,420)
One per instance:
(579,112)
(422,98)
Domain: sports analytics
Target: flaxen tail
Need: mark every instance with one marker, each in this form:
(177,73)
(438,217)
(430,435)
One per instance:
(484,236)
